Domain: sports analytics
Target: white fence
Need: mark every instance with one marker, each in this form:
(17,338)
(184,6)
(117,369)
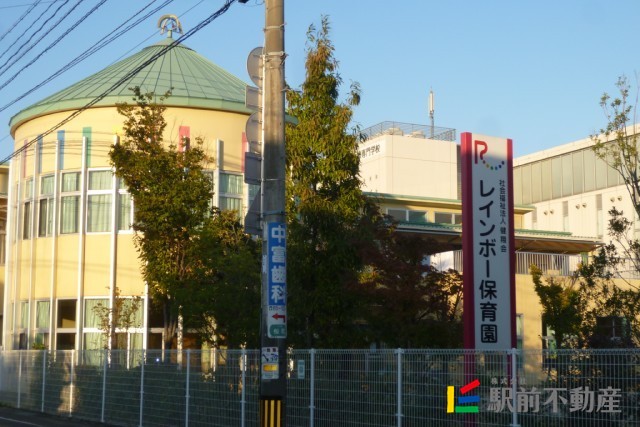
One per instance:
(331,387)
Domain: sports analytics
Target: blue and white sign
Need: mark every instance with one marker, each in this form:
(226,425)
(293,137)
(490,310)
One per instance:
(277,279)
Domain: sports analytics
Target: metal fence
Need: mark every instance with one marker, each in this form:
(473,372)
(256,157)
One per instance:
(331,387)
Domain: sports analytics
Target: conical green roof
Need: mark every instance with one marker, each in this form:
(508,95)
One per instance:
(194,81)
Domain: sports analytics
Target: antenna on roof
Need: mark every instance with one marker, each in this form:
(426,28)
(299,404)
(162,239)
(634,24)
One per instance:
(169,23)
(431,111)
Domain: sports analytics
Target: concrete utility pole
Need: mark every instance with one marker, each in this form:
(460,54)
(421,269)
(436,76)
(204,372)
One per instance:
(273,325)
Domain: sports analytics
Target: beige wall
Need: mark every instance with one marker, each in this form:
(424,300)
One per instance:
(410,166)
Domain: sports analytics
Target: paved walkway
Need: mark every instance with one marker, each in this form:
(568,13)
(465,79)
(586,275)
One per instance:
(12,417)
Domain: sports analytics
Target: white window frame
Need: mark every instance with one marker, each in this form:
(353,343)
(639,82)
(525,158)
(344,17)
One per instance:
(100,192)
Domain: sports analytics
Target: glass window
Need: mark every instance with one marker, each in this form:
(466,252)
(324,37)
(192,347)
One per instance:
(26,221)
(589,162)
(526,184)
(556,176)
(457,218)
(517,185)
(45,217)
(28,188)
(99,213)
(94,310)
(47,183)
(567,176)
(612,174)
(66,313)
(397,214)
(444,218)
(69,208)
(70,182)
(231,192)
(24,314)
(546,181)
(578,174)
(419,217)
(65,341)
(124,211)
(100,180)
(536,179)
(231,184)
(42,314)
(601,174)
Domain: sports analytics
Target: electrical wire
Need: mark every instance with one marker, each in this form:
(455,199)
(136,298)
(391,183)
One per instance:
(125,78)
(33,35)
(19,20)
(104,41)
(55,42)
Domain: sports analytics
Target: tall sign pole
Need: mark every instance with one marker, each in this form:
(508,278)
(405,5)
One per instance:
(273,325)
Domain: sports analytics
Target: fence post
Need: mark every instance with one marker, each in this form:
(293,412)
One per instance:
(104,383)
(399,386)
(44,378)
(141,391)
(186,396)
(514,386)
(312,405)
(19,376)
(243,373)
(73,358)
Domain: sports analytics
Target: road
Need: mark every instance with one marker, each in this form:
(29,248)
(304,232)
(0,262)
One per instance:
(11,417)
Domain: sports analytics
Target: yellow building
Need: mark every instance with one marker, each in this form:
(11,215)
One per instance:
(70,242)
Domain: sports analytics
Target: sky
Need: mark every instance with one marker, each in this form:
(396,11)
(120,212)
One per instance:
(532,71)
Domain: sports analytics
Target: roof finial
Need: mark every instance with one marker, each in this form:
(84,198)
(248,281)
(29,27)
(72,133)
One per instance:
(169,23)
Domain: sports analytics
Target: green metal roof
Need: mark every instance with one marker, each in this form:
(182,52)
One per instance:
(194,80)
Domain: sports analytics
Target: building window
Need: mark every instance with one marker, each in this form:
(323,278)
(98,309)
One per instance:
(26,213)
(448,218)
(46,206)
(42,314)
(66,322)
(99,201)
(23,321)
(231,192)
(397,214)
(70,203)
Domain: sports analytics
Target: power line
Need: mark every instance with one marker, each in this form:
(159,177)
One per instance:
(28,28)
(125,78)
(28,4)
(93,49)
(19,20)
(55,42)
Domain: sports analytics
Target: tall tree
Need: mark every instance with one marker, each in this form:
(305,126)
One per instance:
(324,201)
(171,195)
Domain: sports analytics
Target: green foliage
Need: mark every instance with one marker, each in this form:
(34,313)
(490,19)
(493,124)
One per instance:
(226,288)
(563,308)
(410,304)
(324,203)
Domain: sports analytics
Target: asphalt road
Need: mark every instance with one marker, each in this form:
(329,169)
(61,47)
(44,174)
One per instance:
(11,417)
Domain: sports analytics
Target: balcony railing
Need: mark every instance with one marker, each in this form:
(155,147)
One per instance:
(550,264)
(411,130)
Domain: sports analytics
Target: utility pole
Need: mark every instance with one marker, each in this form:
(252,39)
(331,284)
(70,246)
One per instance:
(273,325)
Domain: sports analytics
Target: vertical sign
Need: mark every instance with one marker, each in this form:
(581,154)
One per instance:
(488,244)
(277,274)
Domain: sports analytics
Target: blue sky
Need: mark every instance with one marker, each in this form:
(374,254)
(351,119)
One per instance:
(532,71)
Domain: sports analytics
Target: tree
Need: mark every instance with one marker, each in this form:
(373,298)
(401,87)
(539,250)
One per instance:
(171,195)
(410,303)
(324,202)
(123,315)
(226,287)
